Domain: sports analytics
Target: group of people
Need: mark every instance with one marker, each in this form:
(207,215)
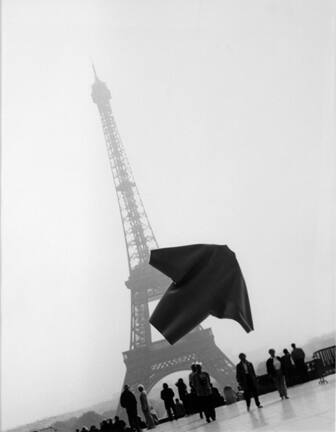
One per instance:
(280,369)
(116,425)
(203,397)
(202,394)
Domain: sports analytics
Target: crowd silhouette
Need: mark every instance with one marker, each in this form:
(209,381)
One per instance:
(202,397)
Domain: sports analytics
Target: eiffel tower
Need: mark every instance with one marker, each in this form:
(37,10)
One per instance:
(147,362)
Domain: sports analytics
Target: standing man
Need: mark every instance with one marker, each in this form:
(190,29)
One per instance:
(288,368)
(298,356)
(167,395)
(145,408)
(247,380)
(274,370)
(129,402)
(195,402)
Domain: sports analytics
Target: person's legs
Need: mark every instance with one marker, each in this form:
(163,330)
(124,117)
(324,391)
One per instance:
(212,407)
(283,386)
(247,396)
(169,410)
(276,383)
(279,384)
(204,407)
(130,419)
(173,407)
(254,393)
(133,420)
(199,406)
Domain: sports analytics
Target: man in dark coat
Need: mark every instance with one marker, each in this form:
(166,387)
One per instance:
(247,380)
(298,356)
(274,370)
(167,395)
(129,402)
(288,368)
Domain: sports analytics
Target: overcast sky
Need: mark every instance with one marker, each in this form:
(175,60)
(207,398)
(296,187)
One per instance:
(226,110)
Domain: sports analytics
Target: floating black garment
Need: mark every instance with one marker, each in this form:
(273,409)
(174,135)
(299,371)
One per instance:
(207,280)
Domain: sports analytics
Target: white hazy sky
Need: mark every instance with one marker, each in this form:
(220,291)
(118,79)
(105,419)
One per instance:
(226,109)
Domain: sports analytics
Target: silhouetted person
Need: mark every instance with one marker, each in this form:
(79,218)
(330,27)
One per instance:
(154,415)
(167,395)
(145,408)
(217,398)
(274,370)
(183,394)
(288,366)
(247,380)
(109,427)
(129,402)
(104,427)
(298,356)
(195,400)
(118,424)
(202,385)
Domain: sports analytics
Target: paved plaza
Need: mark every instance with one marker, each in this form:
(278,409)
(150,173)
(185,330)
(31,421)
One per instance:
(311,407)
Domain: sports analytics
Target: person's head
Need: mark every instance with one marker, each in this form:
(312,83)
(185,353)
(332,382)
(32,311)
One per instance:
(165,385)
(242,357)
(271,352)
(198,368)
(193,367)
(180,380)
(285,351)
(293,345)
(140,388)
(177,401)
(116,418)
(126,387)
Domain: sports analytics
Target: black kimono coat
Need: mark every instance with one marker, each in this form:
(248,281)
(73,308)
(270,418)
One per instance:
(206,280)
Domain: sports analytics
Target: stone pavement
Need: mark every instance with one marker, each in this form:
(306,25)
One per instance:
(311,407)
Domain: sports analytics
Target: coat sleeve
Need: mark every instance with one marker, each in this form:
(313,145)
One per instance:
(176,262)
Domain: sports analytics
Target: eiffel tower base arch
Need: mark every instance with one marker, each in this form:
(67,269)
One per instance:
(148,365)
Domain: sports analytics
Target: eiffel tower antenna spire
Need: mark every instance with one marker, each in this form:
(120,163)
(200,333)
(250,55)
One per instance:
(94,71)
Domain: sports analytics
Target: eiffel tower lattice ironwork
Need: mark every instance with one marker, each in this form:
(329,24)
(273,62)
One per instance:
(146,361)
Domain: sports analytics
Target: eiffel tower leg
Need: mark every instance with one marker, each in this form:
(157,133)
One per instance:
(218,366)
(137,372)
